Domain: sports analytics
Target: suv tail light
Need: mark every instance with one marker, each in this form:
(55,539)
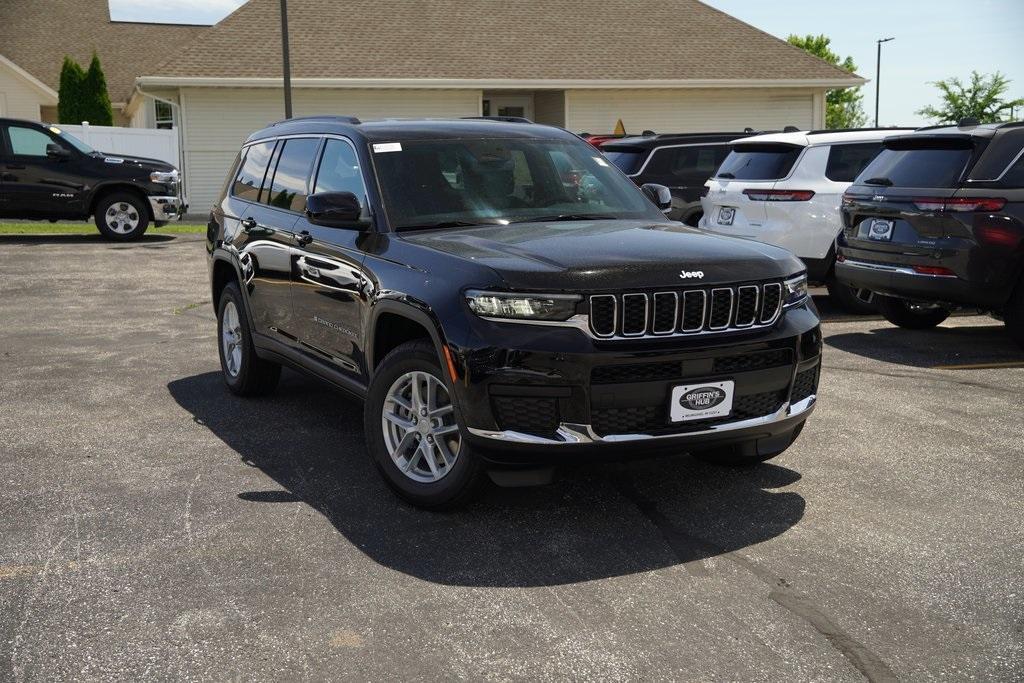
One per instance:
(998,231)
(959,204)
(779,195)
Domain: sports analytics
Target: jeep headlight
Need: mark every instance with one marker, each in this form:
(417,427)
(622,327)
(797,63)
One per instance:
(511,306)
(164,176)
(794,291)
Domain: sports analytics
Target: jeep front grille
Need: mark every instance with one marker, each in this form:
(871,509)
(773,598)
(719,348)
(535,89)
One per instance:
(689,311)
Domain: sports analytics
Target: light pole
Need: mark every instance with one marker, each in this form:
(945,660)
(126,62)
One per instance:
(878,73)
(286,61)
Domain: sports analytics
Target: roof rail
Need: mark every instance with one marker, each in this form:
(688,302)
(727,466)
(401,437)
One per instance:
(322,117)
(790,129)
(506,119)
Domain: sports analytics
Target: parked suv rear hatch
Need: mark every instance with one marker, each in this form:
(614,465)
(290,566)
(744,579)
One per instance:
(907,203)
(748,168)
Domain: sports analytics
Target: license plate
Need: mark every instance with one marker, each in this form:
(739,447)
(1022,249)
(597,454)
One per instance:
(880,230)
(701,401)
(726,215)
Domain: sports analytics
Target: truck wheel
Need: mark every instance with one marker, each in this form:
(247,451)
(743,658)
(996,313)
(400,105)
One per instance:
(122,216)
(746,454)
(910,315)
(245,373)
(413,434)
(846,297)
(1013,317)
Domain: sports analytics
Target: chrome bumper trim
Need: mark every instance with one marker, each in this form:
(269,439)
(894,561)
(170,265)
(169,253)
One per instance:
(584,434)
(885,268)
(167,208)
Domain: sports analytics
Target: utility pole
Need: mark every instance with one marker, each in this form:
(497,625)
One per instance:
(286,61)
(878,74)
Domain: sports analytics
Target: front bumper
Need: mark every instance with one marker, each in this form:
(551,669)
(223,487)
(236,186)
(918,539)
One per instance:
(560,393)
(168,208)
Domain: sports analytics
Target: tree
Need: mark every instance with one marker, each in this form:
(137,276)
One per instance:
(69,98)
(843,107)
(96,101)
(982,99)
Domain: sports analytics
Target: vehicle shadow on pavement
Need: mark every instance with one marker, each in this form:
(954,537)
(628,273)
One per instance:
(148,238)
(595,522)
(948,347)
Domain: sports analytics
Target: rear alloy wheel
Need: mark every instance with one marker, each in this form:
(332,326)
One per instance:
(122,216)
(413,434)
(911,315)
(847,298)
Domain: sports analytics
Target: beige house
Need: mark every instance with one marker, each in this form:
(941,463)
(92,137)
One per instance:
(664,65)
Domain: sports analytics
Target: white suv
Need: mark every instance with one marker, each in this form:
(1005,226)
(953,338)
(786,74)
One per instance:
(785,189)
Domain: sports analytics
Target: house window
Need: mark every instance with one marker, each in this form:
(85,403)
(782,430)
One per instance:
(164,115)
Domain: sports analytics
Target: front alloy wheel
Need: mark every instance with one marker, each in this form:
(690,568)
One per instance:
(231,339)
(419,426)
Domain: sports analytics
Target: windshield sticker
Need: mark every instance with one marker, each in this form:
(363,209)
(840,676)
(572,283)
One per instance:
(387,147)
(600,161)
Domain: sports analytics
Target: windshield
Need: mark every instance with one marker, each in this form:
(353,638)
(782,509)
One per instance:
(438,183)
(72,140)
(759,162)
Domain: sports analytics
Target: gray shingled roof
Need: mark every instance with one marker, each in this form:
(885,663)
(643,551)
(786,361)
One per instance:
(36,34)
(495,39)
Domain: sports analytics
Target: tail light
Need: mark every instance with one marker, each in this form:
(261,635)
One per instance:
(998,231)
(959,204)
(779,195)
(934,270)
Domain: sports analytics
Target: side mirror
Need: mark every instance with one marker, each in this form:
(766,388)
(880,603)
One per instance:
(659,194)
(55,151)
(335,210)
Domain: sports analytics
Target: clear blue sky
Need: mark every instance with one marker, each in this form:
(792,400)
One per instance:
(934,40)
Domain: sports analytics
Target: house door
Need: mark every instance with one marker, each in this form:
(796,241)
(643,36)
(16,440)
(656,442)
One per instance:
(509,105)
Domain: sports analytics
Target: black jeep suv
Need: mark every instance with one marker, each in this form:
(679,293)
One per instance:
(936,222)
(48,174)
(682,162)
(494,315)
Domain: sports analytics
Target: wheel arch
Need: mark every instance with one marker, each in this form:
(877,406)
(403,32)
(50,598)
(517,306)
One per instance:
(107,189)
(392,324)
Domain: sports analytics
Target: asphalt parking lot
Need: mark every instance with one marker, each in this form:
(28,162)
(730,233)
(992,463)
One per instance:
(149,530)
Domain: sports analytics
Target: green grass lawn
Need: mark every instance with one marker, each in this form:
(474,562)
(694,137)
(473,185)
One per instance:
(83,228)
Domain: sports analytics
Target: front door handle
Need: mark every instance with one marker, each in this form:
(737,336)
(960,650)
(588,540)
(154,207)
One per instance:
(248,224)
(304,238)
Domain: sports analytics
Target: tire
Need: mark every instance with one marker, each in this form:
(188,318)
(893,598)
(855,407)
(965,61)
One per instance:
(122,216)
(845,297)
(746,454)
(910,316)
(429,470)
(1013,316)
(245,373)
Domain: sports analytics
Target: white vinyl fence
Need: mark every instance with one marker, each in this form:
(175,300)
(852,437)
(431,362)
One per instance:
(155,143)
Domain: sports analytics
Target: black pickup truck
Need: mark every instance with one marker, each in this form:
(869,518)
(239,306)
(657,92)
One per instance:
(48,174)
(494,315)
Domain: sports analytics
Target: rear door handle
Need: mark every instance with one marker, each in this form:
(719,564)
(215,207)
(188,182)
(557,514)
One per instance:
(304,238)
(248,224)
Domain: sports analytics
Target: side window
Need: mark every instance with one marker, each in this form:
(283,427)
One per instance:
(339,170)
(28,142)
(250,175)
(289,187)
(845,162)
(1015,174)
(684,166)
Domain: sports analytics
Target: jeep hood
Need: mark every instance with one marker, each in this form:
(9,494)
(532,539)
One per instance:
(609,255)
(138,162)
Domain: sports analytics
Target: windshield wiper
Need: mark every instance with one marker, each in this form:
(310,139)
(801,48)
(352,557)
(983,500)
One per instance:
(440,225)
(883,182)
(727,176)
(567,217)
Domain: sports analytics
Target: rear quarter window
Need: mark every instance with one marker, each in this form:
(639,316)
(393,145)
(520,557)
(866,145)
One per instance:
(845,162)
(687,165)
(250,175)
(924,167)
(1014,176)
(629,161)
(759,162)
